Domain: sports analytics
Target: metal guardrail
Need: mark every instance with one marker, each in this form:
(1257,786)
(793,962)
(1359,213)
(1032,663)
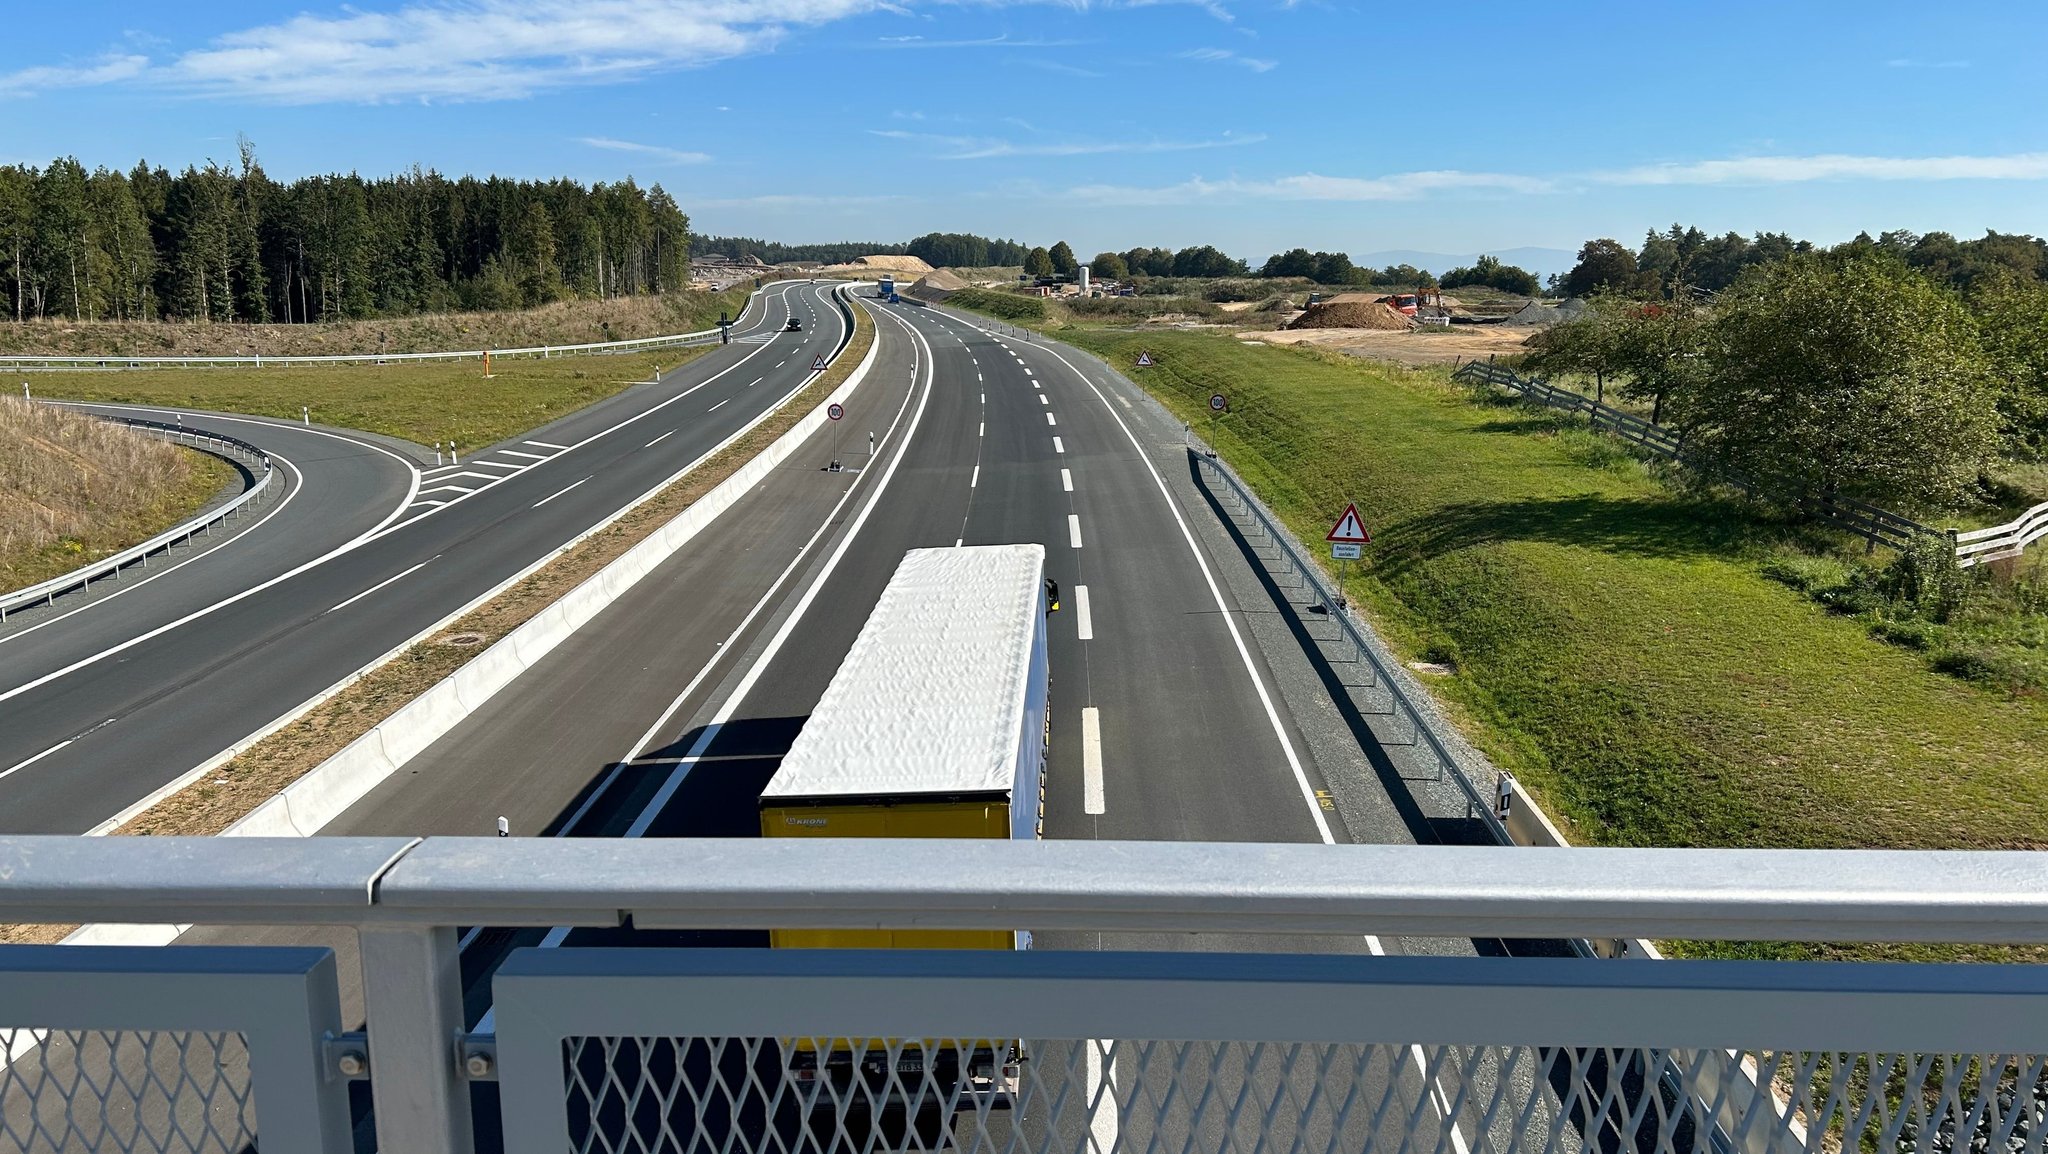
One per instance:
(9,361)
(1479,800)
(1875,525)
(1184,1053)
(220,443)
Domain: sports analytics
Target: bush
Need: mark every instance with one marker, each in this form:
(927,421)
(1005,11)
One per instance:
(1815,576)
(1999,668)
(1141,307)
(1926,578)
(1008,306)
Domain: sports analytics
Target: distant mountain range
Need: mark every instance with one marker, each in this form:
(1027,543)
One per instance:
(1541,261)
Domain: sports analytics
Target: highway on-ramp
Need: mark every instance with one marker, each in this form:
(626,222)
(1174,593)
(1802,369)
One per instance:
(84,736)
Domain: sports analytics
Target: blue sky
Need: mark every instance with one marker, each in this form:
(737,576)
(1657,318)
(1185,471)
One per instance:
(1254,125)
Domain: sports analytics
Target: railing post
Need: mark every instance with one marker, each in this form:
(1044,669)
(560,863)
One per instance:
(412,992)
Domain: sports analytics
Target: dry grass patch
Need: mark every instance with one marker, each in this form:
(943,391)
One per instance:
(75,488)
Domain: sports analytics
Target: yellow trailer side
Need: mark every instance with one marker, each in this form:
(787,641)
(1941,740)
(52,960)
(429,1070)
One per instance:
(971,818)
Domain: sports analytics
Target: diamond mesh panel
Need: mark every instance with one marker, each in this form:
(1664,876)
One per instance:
(1093,1096)
(174,1092)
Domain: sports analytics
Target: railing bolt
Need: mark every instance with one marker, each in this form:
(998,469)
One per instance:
(479,1065)
(353,1064)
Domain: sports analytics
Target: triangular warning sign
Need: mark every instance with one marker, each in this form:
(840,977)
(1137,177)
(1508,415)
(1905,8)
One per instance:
(1349,529)
(1144,360)
(817,363)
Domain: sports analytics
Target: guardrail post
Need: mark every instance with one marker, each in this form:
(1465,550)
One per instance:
(412,991)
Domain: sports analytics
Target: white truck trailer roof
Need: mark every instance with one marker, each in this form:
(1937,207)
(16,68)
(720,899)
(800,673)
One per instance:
(931,699)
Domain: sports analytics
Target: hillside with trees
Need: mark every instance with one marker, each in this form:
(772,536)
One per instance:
(227,243)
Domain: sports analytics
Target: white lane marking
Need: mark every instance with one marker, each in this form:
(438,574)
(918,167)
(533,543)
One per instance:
(512,465)
(739,694)
(558,492)
(802,555)
(1058,446)
(1251,669)
(755,381)
(719,405)
(380,585)
(1091,760)
(547,445)
(978,379)
(1074,529)
(981,430)
(1051,420)
(1067,480)
(466,473)
(447,489)
(984,398)
(436,504)
(528,456)
(127,586)
(976,478)
(1043,400)
(959,541)
(1084,616)
(659,440)
(19,766)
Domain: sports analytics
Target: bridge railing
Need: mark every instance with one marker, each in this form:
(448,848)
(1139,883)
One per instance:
(1062,1048)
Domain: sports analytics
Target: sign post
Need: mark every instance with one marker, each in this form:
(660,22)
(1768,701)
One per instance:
(834,411)
(1346,538)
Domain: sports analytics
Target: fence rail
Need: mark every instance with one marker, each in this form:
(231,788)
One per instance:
(1109,1053)
(2008,540)
(1875,525)
(18,362)
(220,443)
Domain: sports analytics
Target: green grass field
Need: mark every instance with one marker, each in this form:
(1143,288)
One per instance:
(1616,643)
(422,403)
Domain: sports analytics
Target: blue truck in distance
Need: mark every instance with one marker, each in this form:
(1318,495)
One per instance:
(887,289)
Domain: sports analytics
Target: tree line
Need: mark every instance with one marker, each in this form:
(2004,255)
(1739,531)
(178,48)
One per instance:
(1853,372)
(1686,261)
(227,243)
(770,252)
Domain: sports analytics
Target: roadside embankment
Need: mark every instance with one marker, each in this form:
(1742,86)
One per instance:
(75,488)
(1613,642)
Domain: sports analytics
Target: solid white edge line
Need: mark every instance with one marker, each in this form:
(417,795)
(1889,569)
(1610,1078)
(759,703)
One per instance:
(21,765)
(1091,761)
(380,585)
(1074,529)
(1084,617)
(767,655)
(559,492)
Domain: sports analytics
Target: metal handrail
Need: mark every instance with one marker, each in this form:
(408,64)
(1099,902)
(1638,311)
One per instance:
(46,591)
(12,361)
(751,883)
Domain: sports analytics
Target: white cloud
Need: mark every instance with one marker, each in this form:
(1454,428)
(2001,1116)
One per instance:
(655,151)
(1226,56)
(1004,41)
(1314,187)
(1801,169)
(440,50)
(983,148)
(108,69)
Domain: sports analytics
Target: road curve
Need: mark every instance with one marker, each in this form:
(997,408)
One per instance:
(84,737)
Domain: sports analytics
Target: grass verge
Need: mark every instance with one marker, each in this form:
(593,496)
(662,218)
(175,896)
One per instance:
(235,789)
(77,489)
(422,403)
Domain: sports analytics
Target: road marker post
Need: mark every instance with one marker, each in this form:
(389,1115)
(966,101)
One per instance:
(306,416)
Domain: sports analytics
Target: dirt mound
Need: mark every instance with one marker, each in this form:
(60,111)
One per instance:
(899,264)
(936,286)
(1351,314)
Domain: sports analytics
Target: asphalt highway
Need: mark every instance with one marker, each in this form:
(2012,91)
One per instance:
(87,732)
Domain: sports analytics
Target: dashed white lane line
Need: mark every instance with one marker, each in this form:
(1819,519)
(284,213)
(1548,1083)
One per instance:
(547,445)
(1084,618)
(1058,446)
(1043,400)
(984,398)
(1074,529)
(379,585)
(529,456)
(975,479)
(19,766)
(981,430)
(1051,420)
(1091,760)
(1067,480)
(557,493)
(719,405)
(659,440)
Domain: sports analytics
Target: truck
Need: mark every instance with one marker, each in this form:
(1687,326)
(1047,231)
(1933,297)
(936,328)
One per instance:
(935,725)
(886,290)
